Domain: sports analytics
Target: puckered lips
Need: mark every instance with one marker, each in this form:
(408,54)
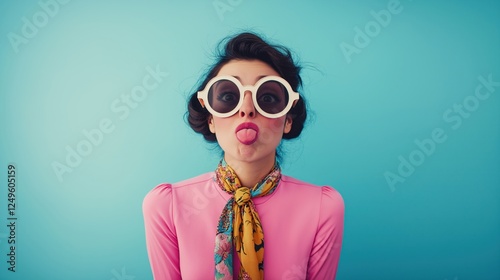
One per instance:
(247,133)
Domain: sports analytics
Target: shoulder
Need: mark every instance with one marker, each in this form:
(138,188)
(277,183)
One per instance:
(161,195)
(328,191)
(331,199)
(293,184)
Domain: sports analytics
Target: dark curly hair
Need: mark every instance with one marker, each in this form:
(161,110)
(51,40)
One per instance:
(249,46)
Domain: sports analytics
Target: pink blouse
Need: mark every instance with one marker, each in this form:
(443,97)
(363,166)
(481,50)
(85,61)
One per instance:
(302,223)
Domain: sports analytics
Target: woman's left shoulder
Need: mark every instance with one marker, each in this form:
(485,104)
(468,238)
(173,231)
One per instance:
(330,197)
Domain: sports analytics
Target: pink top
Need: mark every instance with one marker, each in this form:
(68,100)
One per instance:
(302,223)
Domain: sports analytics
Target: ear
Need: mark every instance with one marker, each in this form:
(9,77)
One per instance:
(288,124)
(211,125)
(201,102)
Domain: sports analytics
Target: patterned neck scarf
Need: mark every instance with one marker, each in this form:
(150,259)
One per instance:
(239,225)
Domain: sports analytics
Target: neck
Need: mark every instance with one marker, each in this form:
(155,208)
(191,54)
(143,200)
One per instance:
(250,173)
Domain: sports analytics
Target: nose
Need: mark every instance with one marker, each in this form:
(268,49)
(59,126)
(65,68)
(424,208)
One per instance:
(247,108)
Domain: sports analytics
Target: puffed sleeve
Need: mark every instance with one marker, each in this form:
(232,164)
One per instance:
(325,253)
(161,240)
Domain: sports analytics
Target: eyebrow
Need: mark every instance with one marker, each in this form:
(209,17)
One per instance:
(258,78)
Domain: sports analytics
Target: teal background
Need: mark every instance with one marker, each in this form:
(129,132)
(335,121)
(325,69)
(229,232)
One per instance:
(442,222)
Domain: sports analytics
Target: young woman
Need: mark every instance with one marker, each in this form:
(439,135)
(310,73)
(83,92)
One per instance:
(245,220)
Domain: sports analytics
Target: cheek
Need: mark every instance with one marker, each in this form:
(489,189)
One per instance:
(220,125)
(273,130)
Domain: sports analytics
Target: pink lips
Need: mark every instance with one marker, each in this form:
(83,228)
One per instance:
(247,133)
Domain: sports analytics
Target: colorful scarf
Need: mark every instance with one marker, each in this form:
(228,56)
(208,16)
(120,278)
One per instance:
(239,225)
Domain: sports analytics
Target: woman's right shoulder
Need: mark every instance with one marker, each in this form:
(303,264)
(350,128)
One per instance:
(161,194)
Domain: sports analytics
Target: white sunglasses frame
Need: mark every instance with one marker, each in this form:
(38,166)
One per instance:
(203,96)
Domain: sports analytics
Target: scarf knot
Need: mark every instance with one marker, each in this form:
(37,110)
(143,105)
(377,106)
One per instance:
(242,196)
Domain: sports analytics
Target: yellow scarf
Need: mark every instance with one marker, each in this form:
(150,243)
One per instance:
(239,225)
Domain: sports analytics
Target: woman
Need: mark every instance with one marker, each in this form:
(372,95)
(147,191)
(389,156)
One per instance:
(214,225)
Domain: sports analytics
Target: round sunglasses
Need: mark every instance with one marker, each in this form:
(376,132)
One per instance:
(272,96)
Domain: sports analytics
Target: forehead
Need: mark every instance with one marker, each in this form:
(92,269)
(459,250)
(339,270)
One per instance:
(248,71)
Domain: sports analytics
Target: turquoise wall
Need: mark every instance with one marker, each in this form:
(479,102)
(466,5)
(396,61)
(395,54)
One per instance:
(405,106)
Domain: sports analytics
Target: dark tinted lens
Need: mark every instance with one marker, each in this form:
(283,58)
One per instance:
(272,97)
(223,96)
